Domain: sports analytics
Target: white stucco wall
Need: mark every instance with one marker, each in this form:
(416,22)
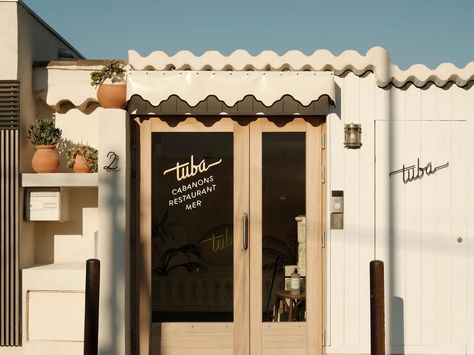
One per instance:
(114,234)
(23,40)
(97,227)
(36,42)
(413,227)
(9,40)
(77,127)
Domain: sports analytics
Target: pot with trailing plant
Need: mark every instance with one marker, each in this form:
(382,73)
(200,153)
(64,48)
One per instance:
(111,84)
(44,135)
(82,158)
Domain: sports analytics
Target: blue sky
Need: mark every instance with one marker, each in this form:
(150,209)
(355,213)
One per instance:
(413,31)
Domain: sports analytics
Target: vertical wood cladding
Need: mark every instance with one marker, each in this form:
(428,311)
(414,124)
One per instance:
(9,185)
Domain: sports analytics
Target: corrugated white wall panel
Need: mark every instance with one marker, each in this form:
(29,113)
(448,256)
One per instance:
(469,99)
(461,103)
(382,103)
(412,103)
(425,264)
(443,103)
(458,231)
(351,249)
(366,208)
(411,231)
(428,103)
(416,234)
(352,181)
(335,240)
(442,246)
(428,256)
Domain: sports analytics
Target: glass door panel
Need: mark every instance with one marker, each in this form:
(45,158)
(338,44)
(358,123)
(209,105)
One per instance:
(193,275)
(192,227)
(285,237)
(283,226)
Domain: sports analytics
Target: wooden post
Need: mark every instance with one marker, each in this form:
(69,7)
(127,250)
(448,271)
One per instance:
(91,319)
(377,310)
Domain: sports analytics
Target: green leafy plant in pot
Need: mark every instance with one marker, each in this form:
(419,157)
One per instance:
(44,135)
(110,81)
(82,158)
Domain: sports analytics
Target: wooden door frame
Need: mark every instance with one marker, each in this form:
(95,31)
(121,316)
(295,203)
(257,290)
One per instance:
(240,324)
(141,325)
(315,197)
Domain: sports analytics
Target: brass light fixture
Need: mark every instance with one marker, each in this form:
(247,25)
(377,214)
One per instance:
(352,136)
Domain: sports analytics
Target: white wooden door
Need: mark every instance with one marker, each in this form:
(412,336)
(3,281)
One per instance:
(421,224)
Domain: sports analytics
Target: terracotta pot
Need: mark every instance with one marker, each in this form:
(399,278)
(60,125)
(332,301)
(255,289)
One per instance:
(80,165)
(112,95)
(45,159)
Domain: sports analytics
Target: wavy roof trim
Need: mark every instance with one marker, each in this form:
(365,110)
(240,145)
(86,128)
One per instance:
(376,60)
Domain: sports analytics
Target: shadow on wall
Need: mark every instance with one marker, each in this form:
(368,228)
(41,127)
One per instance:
(114,244)
(114,205)
(45,232)
(337,110)
(397,321)
(396,328)
(63,146)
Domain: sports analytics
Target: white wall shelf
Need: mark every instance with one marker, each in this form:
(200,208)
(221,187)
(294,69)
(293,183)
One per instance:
(58,276)
(60,180)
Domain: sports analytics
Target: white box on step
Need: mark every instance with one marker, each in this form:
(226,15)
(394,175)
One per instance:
(46,204)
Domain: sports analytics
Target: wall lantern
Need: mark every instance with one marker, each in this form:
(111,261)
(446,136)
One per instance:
(352,136)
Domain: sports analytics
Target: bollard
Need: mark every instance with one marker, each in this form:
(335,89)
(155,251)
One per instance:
(377,308)
(91,319)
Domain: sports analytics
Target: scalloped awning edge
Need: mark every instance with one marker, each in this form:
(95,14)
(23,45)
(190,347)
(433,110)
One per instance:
(230,87)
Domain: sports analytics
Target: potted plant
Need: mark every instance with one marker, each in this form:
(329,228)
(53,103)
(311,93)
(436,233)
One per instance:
(110,81)
(44,135)
(82,158)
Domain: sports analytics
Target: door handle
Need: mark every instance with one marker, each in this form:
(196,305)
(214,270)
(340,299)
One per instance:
(245,228)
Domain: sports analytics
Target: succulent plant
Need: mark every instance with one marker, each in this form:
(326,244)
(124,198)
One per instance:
(89,154)
(111,69)
(43,131)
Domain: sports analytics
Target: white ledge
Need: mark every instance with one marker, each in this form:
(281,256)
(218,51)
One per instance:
(60,180)
(57,267)
(58,277)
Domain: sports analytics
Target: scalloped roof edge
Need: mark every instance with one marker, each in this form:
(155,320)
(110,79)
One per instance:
(376,60)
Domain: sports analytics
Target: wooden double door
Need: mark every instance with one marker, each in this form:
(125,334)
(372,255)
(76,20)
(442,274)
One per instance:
(229,208)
